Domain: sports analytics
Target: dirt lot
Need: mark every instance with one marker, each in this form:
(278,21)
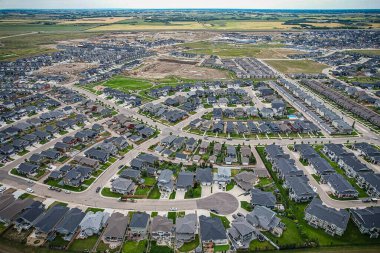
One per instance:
(162,69)
(67,69)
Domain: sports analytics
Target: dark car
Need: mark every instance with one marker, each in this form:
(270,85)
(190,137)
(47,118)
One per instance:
(98,189)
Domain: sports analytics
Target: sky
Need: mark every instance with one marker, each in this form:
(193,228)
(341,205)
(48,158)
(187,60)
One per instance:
(157,4)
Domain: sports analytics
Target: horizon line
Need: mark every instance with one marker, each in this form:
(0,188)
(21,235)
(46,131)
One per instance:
(264,9)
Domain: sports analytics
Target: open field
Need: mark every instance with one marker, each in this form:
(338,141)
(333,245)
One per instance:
(267,51)
(193,25)
(162,69)
(297,66)
(367,51)
(34,44)
(100,20)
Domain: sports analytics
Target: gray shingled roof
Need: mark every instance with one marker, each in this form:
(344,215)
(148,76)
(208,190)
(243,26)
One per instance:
(331,215)
(211,229)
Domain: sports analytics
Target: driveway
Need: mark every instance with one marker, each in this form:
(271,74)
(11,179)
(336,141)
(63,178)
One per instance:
(206,190)
(180,195)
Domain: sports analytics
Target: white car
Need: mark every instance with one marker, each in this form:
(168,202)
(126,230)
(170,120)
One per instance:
(173,209)
(29,190)
(2,188)
(67,191)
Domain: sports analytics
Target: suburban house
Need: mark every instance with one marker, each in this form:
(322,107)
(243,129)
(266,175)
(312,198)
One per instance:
(265,219)
(162,229)
(212,233)
(246,180)
(97,154)
(367,220)
(352,166)
(165,181)
(185,181)
(116,228)
(186,228)
(371,182)
(10,213)
(29,216)
(93,223)
(68,226)
(299,189)
(138,227)
(223,176)
(261,198)
(241,233)
(203,176)
(123,186)
(339,186)
(334,222)
(46,224)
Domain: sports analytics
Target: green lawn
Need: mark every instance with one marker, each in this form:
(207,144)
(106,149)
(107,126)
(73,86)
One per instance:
(108,193)
(127,84)
(134,247)
(256,245)
(195,192)
(26,196)
(159,249)
(172,216)
(149,181)
(89,181)
(24,152)
(81,245)
(230,185)
(303,235)
(225,221)
(154,214)
(189,246)
(246,206)
(172,195)
(154,193)
(221,248)
(142,191)
(94,209)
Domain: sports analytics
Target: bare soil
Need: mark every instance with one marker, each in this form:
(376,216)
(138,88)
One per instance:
(161,69)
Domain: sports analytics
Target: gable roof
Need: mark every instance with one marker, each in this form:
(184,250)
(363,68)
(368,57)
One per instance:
(50,219)
(211,229)
(330,215)
(116,226)
(204,175)
(139,220)
(262,198)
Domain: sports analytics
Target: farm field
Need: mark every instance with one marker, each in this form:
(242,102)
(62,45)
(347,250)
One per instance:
(270,51)
(193,25)
(34,44)
(367,51)
(297,66)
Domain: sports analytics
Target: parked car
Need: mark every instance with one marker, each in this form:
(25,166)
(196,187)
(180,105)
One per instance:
(214,210)
(67,191)
(29,190)
(173,209)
